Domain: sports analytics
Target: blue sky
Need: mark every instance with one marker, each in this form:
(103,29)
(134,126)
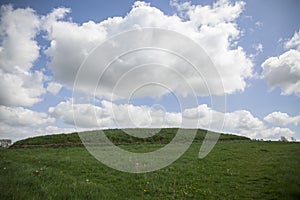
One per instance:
(261,79)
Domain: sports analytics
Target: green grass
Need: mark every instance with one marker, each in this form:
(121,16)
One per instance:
(233,170)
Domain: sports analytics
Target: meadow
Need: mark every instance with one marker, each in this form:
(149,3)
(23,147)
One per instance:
(237,168)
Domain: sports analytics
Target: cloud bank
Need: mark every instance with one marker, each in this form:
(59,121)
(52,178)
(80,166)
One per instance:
(131,116)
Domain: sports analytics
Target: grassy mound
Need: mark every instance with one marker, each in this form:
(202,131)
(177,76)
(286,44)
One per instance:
(118,136)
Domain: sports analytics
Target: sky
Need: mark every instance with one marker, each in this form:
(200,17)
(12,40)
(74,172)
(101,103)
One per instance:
(55,76)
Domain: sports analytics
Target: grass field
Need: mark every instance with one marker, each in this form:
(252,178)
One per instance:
(235,169)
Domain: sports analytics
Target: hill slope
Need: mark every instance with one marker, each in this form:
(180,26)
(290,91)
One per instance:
(117,136)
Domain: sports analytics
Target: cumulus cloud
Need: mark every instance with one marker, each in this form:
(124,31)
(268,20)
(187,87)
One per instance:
(244,123)
(113,115)
(284,71)
(282,118)
(215,33)
(110,114)
(240,122)
(71,41)
(18,29)
(21,88)
(18,122)
(19,85)
(276,132)
(64,111)
(18,116)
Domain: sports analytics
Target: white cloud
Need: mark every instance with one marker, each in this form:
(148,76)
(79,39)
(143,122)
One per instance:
(109,114)
(113,115)
(18,84)
(64,111)
(258,24)
(21,88)
(215,33)
(54,88)
(18,123)
(244,123)
(71,41)
(140,3)
(15,132)
(221,12)
(240,122)
(18,29)
(282,118)
(294,41)
(21,132)
(18,116)
(259,47)
(55,130)
(284,71)
(276,132)
(181,8)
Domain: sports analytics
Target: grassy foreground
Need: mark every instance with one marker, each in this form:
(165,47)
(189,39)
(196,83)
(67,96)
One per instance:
(233,170)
